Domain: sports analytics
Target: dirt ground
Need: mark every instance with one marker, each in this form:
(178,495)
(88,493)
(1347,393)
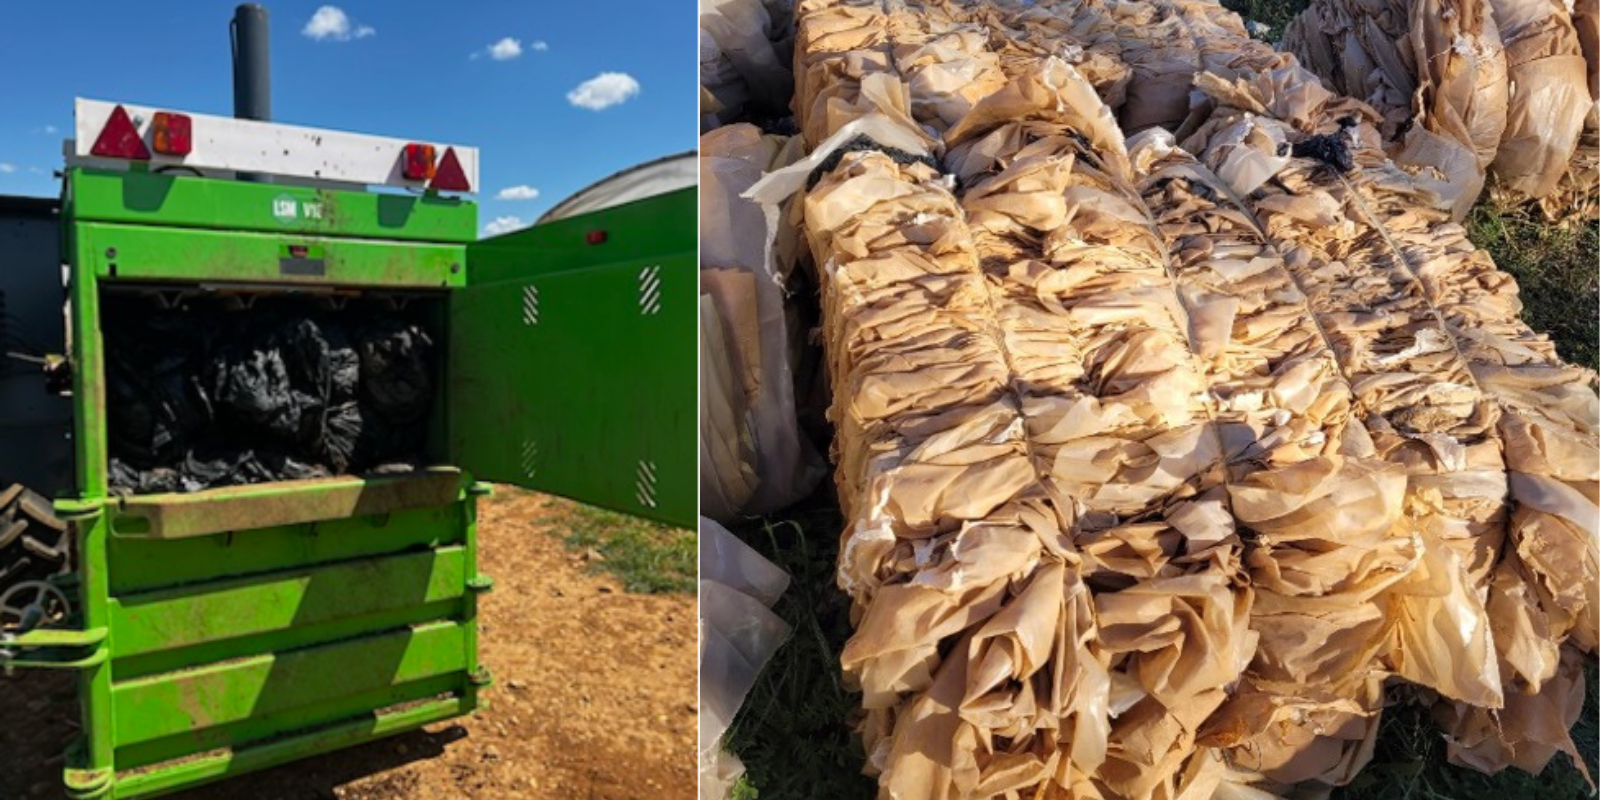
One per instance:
(594,695)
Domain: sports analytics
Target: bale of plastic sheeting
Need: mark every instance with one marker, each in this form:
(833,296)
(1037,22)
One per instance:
(740,63)
(1153,452)
(760,459)
(1550,96)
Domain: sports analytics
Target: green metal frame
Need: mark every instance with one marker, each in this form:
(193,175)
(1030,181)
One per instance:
(589,350)
(234,629)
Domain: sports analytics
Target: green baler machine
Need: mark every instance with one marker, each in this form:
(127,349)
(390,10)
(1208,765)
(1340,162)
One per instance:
(231,629)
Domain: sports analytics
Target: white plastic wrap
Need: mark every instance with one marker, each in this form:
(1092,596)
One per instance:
(740,275)
(738,635)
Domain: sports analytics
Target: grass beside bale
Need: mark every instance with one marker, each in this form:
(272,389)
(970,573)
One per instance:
(1557,268)
(793,731)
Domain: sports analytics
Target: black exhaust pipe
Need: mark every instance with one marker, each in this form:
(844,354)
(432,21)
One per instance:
(252,68)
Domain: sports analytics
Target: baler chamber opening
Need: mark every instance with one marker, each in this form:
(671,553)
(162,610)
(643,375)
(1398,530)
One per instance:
(210,387)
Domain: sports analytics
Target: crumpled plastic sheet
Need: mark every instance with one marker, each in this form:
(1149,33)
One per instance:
(1545,61)
(200,396)
(743,50)
(1465,84)
(754,458)
(1504,399)
(738,635)
(1156,468)
(1434,69)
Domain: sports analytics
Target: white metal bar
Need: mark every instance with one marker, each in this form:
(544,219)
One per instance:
(241,145)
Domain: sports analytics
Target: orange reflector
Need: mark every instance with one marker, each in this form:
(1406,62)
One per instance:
(119,139)
(450,177)
(171,133)
(595,237)
(417,163)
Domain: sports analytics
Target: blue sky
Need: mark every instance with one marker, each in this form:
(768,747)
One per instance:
(508,77)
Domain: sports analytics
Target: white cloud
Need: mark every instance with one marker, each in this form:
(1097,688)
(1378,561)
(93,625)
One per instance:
(538,46)
(7,169)
(330,22)
(47,130)
(505,49)
(604,91)
(517,193)
(503,225)
(38,171)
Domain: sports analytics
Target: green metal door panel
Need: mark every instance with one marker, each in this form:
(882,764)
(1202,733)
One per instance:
(263,726)
(139,565)
(244,694)
(184,201)
(193,615)
(138,252)
(643,229)
(216,766)
(179,515)
(581,381)
(583,394)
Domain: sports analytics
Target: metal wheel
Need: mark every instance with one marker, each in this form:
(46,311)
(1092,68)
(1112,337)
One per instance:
(31,605)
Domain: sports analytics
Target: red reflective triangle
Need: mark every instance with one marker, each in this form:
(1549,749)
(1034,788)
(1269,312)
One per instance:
(449,176)
(119,139)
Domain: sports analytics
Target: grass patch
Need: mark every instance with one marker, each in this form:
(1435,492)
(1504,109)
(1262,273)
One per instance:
(1556,270)
(1275,14)
(1409,763)
(794,731)
(648,557)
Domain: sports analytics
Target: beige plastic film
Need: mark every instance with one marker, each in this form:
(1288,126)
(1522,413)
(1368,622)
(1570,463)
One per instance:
(1378,304)
(1005,575)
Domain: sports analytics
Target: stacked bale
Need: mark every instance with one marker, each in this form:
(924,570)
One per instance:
(1466,86)
(1160,463)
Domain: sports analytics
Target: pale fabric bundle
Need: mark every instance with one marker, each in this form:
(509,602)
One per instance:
(1114,401)
(1434,69)
(1465,86)
(947,67)
(1083,34)
(754,457)
(1545,63)
(1424,616)
(1067,432)
(1546,588)
(941,453)
(1541,410)
(1577,195)
(1326,539)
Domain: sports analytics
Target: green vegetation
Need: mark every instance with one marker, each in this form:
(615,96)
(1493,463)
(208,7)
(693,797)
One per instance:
(648,557)
(1409,764)
(1273,13)
(794,731)
(1557,269)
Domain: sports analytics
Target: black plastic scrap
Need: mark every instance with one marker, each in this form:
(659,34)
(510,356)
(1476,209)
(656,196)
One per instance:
(200,396)
(864,143)
(1332,149)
